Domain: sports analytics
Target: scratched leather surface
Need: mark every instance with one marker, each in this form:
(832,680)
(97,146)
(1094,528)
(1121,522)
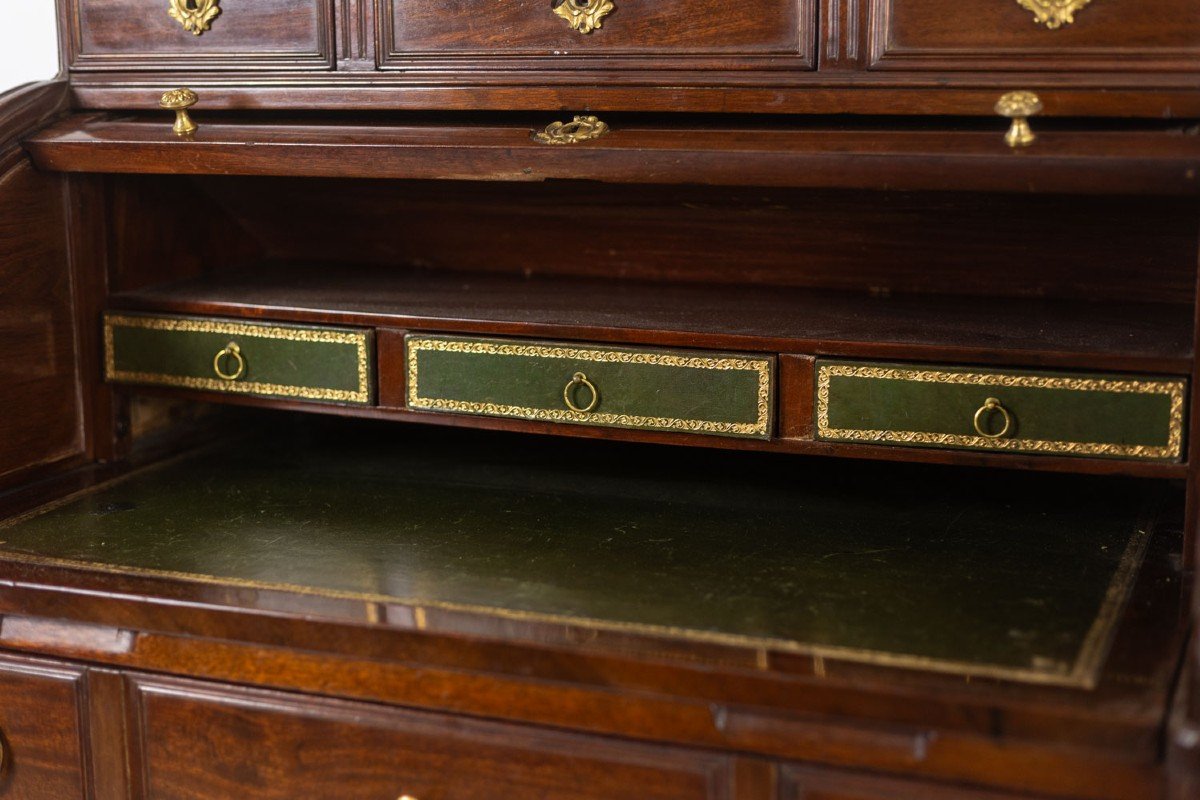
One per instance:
(983,568)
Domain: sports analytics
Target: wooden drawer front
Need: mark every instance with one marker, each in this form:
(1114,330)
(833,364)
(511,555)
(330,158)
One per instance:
(807,783)
(773,34)
(934,406)
(1107,35)
(40,730)
(141,34)
(330,365)
(210,743)
(672,390)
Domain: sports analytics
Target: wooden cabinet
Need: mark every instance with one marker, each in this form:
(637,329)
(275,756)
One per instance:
(1129,58)
(41,730)
(799,228)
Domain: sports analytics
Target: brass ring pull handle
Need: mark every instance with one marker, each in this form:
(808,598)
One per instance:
(230,350)
(577,380)
(992,405)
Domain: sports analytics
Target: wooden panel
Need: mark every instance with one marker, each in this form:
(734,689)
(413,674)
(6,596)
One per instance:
(282,747)
(807,783)
(139,34)
(42,421)
(41,730)
(705,33)
(1107,35)
(871,243)
(1147,161)
(1140,337)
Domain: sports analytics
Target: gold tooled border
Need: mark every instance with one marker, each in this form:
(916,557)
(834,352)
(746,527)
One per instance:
(360,340)
(1083,673)
(761,428)
(1175,389)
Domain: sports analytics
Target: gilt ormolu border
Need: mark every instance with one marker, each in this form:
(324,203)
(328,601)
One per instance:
(1175,389)
(761,365)
(359,339)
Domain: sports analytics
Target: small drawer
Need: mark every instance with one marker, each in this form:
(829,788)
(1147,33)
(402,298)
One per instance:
(41,732)
(216,742)
(1022,35)
(571,34)
(331,365)
(671,390)
(221,34)
(1115,416)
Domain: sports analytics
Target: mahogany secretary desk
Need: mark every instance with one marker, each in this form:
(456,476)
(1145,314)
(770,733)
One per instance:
(602,398)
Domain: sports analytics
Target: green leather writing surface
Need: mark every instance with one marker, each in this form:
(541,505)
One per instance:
(309,363)
(679,390)
(1007,574)
(1117,416)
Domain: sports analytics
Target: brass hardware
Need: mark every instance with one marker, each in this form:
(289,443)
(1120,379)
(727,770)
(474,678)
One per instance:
(582,15)
(1019,107)
(194,15)
(580,129)
(179,101)
(1054,13)
(579,379)
(990,406)
(230,350)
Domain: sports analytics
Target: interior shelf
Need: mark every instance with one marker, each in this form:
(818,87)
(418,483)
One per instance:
(1145,337)
(1152,161)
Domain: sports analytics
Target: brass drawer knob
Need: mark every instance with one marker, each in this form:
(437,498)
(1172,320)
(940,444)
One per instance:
(578,380)
(582,15)
(179,101)
(1019,107)
(194,15)
(992,406)
(233,352)
(580,129)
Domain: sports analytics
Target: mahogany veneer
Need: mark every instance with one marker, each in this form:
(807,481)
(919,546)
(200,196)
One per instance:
(1117,162)
(898,227)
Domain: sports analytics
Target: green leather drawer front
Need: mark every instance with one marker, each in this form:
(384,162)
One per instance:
(331,365)
(1114,416)
(675,390)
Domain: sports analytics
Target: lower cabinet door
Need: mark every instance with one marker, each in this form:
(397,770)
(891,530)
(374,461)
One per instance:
(210,743)
(40,730)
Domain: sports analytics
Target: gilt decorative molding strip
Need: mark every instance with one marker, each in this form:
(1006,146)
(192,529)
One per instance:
(760,367)
(358,339)
(1175,390)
